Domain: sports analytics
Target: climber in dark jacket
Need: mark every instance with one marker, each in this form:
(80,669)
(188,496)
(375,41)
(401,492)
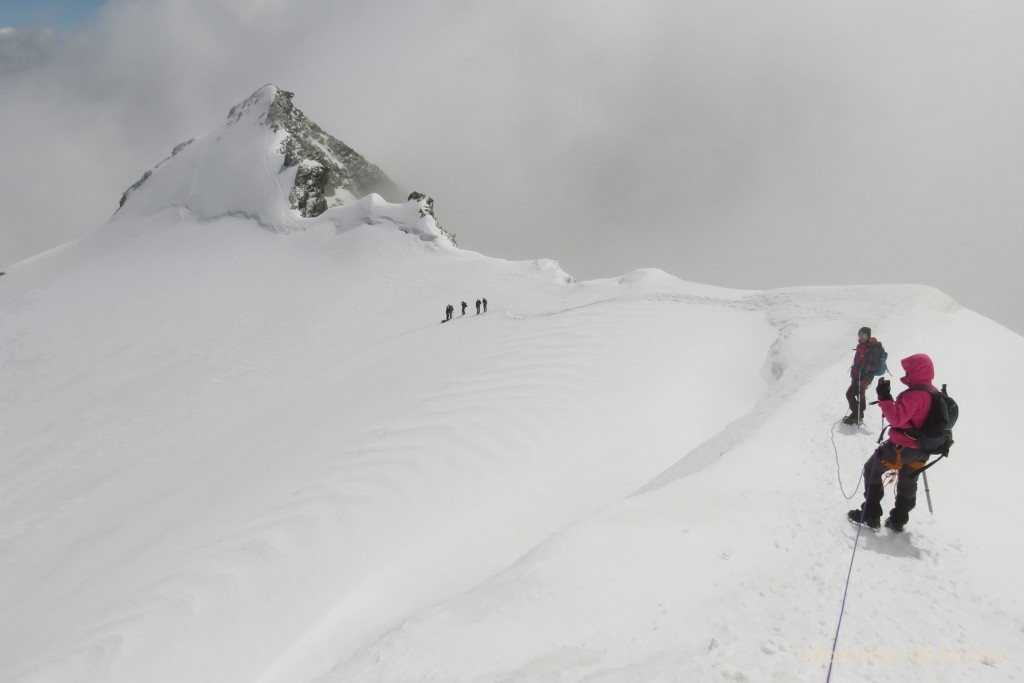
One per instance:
(860,377)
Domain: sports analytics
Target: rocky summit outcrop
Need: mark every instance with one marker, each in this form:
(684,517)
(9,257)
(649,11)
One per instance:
(426,204)
(327,168)
(266,160)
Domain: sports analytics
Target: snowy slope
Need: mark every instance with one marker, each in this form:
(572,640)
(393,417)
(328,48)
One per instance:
(234,454)
(732,567)
(239,456)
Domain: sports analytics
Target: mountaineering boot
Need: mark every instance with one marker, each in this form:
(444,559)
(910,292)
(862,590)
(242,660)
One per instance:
(870,522)
(871,510)
(900,513)
(850,419)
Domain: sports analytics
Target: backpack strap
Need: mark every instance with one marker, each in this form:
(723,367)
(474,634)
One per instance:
(944,454)
(945,451)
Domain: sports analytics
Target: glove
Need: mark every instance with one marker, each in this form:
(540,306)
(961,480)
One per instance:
(882,390)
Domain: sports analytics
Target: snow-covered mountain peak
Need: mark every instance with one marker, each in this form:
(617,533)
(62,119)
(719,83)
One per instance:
(256,106)
(266,161)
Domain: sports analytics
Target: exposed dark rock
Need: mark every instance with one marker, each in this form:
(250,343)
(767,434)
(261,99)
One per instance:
(336,164)
(307,196)
(427,209)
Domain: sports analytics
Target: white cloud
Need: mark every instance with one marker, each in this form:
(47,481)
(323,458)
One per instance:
(734,143)
(22,48)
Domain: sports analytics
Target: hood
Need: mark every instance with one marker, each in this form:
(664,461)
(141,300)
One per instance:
(919,370)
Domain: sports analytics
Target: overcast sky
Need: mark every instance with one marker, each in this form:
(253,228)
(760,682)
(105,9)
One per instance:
(744,143)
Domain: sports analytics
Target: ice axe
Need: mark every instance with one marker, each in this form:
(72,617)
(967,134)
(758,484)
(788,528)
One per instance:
(927,493)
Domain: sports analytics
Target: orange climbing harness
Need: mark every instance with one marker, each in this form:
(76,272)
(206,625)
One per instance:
(896,467)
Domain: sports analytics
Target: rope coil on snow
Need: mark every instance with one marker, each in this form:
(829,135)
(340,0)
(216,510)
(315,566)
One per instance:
(839,474)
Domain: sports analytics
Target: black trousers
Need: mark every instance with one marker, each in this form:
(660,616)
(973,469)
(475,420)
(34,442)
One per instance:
(855,396)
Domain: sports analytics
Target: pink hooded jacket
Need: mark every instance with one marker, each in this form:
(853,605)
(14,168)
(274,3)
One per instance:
(910,408)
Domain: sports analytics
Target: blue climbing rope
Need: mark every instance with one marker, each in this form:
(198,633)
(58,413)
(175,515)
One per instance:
(846,590)
(853,555)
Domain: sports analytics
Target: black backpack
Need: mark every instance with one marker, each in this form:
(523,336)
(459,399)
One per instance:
(936,434)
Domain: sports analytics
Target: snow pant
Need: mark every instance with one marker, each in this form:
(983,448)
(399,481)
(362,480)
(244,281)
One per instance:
(906,484)
(855,396)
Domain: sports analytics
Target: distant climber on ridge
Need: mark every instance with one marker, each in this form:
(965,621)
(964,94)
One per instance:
(866,359)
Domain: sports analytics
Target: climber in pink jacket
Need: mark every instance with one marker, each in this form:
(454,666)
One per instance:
(899,452)
(910,408)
